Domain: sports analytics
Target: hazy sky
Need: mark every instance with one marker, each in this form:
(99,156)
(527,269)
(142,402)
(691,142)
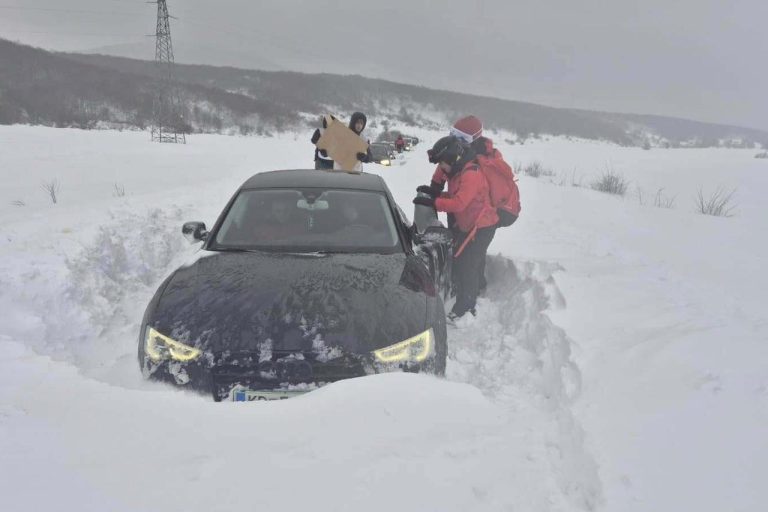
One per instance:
(700,59)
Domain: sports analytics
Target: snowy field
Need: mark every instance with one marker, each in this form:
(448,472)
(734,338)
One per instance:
(619,361)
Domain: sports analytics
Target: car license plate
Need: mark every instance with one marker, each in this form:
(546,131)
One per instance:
(240,394)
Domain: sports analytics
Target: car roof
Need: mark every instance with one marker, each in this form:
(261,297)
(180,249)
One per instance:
(316,178)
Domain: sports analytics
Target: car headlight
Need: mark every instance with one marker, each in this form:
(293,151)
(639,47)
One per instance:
(386,162)
(417,348)
(159,347)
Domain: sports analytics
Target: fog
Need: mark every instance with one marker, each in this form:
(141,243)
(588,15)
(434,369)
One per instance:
(699,59)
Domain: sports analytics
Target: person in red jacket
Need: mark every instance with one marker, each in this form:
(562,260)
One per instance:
(505,195)
(400,144)
(474,219)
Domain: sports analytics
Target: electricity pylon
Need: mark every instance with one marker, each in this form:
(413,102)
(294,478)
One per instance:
(166,120)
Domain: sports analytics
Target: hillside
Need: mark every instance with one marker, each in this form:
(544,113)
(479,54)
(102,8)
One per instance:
(40,87)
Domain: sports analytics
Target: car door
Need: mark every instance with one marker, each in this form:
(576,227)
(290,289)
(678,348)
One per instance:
(436,254)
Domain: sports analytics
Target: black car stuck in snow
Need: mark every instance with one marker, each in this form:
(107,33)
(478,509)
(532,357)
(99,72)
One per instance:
(307,277)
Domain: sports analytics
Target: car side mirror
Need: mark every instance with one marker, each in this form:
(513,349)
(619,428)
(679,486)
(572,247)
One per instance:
(194,231)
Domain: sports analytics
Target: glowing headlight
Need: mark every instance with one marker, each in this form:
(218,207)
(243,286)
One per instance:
(386,162)
(159,347)
(417,349)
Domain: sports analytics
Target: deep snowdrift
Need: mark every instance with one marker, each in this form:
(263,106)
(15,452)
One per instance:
(663,311)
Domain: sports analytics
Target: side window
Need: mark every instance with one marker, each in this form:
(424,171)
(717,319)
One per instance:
(235,216)
(406,223)
(403,217)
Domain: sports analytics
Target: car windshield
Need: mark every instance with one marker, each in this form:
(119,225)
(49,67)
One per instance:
(379,151)
(309,220)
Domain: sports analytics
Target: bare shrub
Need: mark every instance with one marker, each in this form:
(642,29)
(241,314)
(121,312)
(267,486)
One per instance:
(561,180)
(537,170)
(611,182)
(576,182)
(18,202)
(717,204)
(52,189)
(764,154)
(663,201)
(119,191)
(640,196)
(534,169)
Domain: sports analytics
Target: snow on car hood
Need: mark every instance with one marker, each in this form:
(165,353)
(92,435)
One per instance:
(240,300)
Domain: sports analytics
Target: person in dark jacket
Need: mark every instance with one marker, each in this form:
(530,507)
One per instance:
(322,159)
(357,124)
(474,219)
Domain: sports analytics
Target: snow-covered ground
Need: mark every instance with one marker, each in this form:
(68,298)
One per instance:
(618,362)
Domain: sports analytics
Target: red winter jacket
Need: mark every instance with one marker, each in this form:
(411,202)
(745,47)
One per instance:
(502,184)
(467,198)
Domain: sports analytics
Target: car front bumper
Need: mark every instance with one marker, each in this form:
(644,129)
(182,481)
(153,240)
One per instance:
(233,376)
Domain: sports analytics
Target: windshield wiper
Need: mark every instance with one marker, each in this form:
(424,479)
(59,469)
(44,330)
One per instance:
(315,254)
(236,249)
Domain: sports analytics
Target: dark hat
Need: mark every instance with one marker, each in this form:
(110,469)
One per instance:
(357,116)
(448,149)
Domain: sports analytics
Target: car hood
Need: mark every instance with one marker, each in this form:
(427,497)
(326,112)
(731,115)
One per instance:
(255,301)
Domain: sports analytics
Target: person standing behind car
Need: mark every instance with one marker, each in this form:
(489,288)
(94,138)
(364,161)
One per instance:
(400,143)
(357,124)
(474,219)
(322,160)
(505,195)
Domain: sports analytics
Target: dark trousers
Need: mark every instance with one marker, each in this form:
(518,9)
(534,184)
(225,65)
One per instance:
(483,281)
(467,268)
(321,163)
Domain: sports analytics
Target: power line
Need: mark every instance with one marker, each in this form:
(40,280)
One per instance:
(71,11)
(253,35)
(85,34)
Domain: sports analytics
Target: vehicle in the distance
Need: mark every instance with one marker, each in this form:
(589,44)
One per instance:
(410,142)
(380,153)
(392,149)
(308,277)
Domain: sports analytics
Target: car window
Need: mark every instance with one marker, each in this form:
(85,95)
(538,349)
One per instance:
(379,151)
(309,220)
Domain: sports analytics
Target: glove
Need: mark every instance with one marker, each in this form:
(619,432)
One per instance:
(424,201)
(437,187)
(426,189)
(323,153)
(363,157)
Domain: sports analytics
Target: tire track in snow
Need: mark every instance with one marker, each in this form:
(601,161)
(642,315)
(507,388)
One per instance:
(515,354)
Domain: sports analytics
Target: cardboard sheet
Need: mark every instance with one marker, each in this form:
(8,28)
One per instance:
(342,144)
